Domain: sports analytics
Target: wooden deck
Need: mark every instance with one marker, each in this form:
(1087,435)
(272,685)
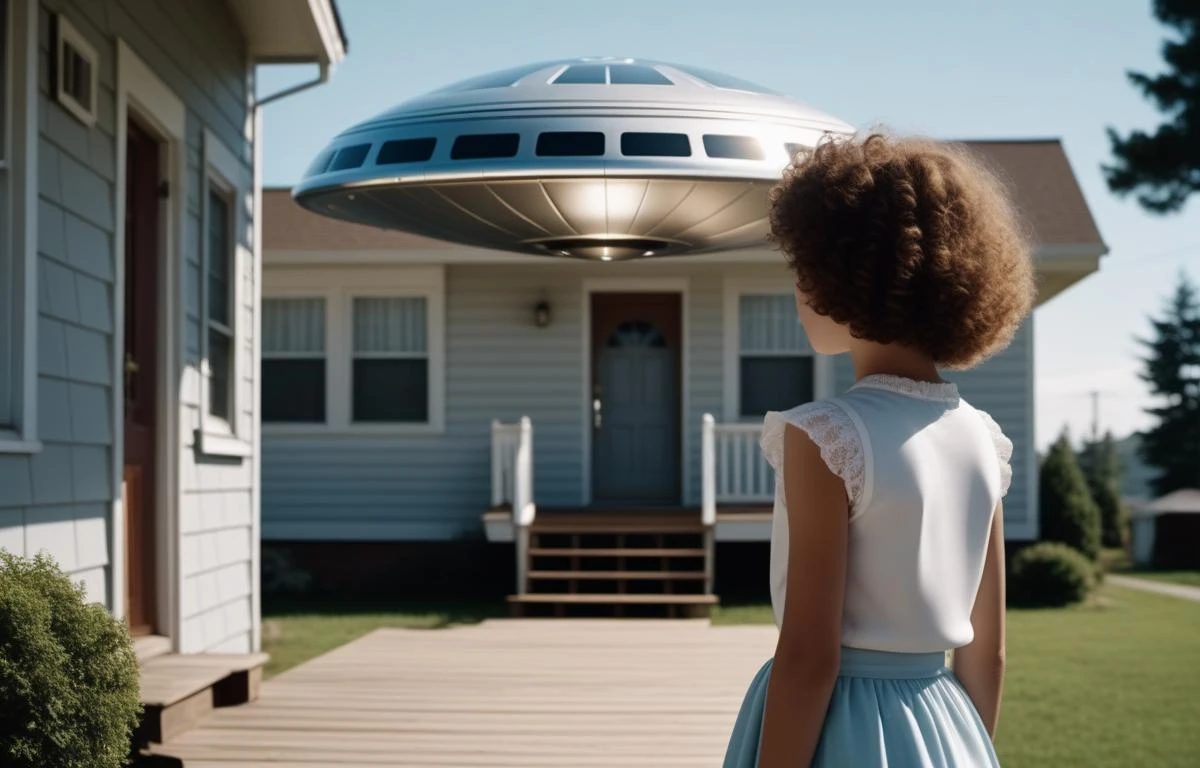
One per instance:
(531,693)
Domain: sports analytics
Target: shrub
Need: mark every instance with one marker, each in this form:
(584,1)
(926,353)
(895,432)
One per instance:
(1050,574)
(281,575)
(1068,512)
(68,674)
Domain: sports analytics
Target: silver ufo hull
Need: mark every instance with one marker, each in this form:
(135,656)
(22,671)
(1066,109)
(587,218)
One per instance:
(596,170)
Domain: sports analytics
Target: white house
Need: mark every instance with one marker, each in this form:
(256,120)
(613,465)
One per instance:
(130,276)
(416,391)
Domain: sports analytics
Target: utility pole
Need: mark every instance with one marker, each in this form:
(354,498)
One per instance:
(1095,395)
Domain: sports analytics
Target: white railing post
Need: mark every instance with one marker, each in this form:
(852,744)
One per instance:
(708,496)
(497,464)
(523,506)
(708,470)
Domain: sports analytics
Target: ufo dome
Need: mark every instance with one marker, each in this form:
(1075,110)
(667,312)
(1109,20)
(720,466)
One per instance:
(595,158)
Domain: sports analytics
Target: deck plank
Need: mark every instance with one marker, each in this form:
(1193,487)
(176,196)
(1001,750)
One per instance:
(581,693)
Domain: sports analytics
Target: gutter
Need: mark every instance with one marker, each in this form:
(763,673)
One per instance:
(321,79)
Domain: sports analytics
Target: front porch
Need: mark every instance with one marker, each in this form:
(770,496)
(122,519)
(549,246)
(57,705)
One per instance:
(629,560)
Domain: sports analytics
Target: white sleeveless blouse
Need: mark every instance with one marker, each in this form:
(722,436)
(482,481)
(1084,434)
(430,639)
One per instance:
(924,472)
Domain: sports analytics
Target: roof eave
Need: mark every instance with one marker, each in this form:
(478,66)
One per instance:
(1062,265)
(312,32)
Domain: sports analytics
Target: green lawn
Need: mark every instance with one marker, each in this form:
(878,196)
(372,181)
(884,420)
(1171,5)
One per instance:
(1116,561)
(1187,578)
(1115,683)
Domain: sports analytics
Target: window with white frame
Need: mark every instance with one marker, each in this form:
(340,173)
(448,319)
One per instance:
(776,364)
(356,350)
(18,224)
(293,360)
(8,319)
(390,365)
(223,337)
(219,277)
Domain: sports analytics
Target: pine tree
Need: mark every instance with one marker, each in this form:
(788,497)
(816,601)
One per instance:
(1068,513)
(1101,467)
(1172,369)
(1163,167)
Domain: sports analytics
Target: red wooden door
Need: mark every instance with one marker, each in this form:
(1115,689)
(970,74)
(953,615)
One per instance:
(142,153)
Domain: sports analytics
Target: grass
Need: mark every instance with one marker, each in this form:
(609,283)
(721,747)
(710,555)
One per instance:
(1187,578)
(1116,561)
(295,631)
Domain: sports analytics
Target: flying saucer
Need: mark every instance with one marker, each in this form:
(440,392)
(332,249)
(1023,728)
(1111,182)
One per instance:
(595,158)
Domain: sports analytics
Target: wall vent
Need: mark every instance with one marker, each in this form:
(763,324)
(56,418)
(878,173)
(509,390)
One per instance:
(75,68)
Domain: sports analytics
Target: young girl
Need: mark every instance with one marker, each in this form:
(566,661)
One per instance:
(887,547)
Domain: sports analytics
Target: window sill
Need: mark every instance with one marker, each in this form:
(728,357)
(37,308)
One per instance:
(216,444)
(11,442)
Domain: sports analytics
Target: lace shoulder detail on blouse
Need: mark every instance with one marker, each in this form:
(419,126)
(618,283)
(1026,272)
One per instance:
(833,432)
(1004,451)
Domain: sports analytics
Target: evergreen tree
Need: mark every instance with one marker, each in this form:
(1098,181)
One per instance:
(1101,466)
(1068,513)
(1172,369)
(1163,167)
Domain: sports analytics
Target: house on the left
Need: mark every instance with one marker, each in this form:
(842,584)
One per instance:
(130,157)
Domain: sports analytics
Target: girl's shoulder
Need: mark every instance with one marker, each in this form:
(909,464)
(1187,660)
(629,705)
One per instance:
(837,432)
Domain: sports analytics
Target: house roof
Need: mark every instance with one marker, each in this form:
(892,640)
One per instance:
(292,31)
(1186,500)
(1037,171)
(1045,189)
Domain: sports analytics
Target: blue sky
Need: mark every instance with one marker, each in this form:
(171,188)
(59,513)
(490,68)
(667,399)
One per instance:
(962,69)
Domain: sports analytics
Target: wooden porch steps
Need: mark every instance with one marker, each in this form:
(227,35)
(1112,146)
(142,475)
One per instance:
(178,690)
(617,575)
(617,562)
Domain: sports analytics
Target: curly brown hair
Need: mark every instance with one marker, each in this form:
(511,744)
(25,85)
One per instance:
(906,241)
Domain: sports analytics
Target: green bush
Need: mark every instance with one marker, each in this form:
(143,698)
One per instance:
(1050,574)
(68,674)
(1067,511)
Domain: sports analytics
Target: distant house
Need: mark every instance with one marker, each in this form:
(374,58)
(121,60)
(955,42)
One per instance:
(1165,533)
(397,372)
(129,282)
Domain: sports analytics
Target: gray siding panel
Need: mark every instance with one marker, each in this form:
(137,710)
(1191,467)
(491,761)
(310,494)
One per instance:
(500,366)
(58,500)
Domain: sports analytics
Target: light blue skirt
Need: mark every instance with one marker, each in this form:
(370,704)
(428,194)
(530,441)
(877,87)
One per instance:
(888,710)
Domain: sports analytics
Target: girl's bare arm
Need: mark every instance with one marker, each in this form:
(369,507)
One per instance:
(807,656)
(980,665)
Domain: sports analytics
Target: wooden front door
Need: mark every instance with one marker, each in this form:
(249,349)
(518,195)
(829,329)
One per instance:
(142,158)
(636,343)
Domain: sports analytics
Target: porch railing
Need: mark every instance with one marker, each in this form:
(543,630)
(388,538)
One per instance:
(733,468)
(732,471)
(512,484)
